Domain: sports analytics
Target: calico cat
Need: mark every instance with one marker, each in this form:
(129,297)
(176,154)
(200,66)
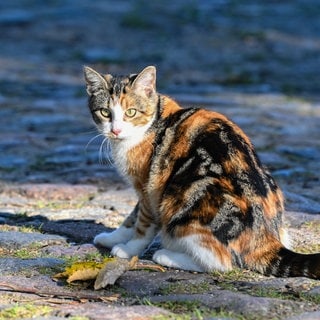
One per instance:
(199,183)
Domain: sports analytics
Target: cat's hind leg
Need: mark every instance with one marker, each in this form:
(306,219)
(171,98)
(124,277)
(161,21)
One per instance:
(197,252)
(175,260)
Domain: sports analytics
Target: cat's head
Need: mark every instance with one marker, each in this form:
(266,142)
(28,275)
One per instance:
(122,107)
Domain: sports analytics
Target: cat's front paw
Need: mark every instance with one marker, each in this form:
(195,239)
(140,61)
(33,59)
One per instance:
(122,251)
(105,240)
(110,239)
(132,248)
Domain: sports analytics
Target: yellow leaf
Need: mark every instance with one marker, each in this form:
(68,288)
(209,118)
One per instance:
(84,273)
(87,270)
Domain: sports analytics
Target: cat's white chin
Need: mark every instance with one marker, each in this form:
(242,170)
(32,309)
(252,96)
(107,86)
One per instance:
(123,144)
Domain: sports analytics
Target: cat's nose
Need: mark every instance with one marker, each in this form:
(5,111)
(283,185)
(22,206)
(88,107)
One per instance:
(116,131)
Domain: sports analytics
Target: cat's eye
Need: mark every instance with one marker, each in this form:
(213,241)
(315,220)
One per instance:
(105,112)
(131,112)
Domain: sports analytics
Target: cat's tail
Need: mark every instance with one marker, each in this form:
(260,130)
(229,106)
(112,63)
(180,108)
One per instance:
(286,263)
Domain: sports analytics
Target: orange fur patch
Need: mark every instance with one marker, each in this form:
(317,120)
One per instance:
(272,204)
(169,107)
(139,159)
(257,248)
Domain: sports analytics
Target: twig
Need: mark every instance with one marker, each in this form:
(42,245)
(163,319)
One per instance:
(152,267)
(78,296)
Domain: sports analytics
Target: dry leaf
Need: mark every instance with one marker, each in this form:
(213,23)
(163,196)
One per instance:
(105,273)
(111,272)
(83,271)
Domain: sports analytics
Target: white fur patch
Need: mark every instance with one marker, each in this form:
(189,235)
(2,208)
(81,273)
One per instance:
(135,246)
(129,137)
(175,260)
(285,238)
(206,259)
(110,239)
(132,248)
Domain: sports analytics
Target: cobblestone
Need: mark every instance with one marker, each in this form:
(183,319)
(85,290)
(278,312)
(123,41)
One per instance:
(256,62)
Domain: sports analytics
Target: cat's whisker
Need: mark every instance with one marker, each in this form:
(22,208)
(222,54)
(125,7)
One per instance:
(101,151)
(93,139)
(108,153)
(104,152)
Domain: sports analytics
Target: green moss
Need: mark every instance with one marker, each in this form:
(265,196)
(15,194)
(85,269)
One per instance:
(235,274)
(50,271)
(312,225)
(179,307)
(308,248)
(182,310)
(314,298)
(61,205)
(30,252)
(95,256)
(29,229)
(21,311)
(192,310)
(26,253)
(269,293)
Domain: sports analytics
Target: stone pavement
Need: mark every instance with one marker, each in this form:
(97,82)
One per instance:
(256,62)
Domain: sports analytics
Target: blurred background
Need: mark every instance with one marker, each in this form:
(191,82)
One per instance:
(256,61)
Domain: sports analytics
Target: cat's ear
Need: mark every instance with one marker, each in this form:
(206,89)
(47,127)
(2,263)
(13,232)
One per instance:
(145,82)
(94,81)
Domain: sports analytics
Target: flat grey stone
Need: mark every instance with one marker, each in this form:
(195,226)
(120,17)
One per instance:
(315,291)
(300,203)
(14,265)
(99,311)
(15,240)
(237,303)
(155,281)
(306,316)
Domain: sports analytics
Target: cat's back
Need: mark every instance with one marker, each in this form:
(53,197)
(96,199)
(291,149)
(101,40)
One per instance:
(201,152)
(200,135)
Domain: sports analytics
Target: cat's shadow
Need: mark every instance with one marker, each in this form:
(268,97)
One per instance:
(75,231)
